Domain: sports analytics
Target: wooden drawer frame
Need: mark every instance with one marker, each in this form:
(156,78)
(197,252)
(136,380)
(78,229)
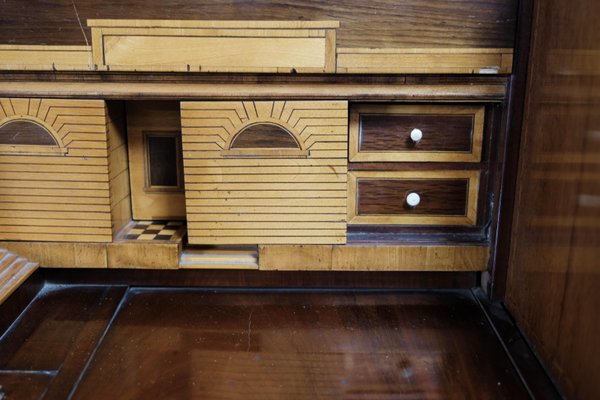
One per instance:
(415,155)
(470,218)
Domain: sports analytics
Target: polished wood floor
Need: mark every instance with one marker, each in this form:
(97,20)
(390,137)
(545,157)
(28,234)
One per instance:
(117,342)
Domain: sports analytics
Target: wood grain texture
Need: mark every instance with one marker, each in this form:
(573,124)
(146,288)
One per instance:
(77,168)
(219,46)
(373,258)
(118,166)
(61,255)
(443,195)
(14,270)
(275,213)
(147,117)
(552,286)
(374,24)
(153,90)
(382,133)
(46,58)
(272,345)
(424,60)
(143,255)
(438,197)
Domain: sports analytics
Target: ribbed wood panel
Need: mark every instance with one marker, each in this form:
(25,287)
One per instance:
(259,196)
(63,195)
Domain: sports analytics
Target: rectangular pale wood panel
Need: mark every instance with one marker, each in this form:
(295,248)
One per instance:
(261,195)
(446,197)
(62,195)
(450,133)
(373,258)
(61,255)
(45,58)
(214,46)
(424,60)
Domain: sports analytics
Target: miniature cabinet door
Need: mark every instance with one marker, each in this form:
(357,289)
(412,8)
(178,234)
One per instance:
(265,172)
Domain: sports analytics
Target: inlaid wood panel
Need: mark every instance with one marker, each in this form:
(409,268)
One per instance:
(59,192)
(214,46)
(265,194)
(383,133)
(381,197)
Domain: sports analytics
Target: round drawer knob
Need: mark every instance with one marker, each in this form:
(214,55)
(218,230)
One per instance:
(416,135)
(413,199)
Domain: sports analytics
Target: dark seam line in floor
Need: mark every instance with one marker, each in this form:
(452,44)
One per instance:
(109,325)
(502,344)
(229,289)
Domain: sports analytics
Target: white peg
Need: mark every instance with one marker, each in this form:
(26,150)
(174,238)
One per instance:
(416,135)
(413,199)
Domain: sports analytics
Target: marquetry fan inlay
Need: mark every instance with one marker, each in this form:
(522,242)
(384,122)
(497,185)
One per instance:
(282,180)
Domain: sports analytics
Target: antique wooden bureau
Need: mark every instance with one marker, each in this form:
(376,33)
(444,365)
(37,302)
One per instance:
(302,138)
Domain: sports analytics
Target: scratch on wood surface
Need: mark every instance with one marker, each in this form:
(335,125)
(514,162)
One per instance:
(80,25)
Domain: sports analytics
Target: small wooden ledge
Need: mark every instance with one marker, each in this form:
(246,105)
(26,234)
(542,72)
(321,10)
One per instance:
(46,58)
(424,60)
(14,270)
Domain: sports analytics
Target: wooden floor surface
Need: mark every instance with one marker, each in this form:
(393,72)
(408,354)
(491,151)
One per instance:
(114,342)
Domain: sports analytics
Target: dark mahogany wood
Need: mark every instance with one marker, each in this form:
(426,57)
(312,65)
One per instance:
(552,286)
(387,196)
(261,279)
(23,386)
(377,23)
(379,132)
(264,136)
(19,132)
(298,345)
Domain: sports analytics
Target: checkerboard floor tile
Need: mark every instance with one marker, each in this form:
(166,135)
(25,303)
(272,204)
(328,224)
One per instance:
(153,230)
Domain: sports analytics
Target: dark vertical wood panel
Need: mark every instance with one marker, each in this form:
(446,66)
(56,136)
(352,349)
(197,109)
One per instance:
(376,23)
(553,279)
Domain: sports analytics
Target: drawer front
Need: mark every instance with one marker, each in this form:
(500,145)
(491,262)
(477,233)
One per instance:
(416,133)
(413,198)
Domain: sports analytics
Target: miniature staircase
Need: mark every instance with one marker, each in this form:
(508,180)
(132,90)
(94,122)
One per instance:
(222,257)
(14,270)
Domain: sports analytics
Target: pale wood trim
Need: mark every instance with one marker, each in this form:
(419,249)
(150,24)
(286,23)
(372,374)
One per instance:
(265,153)
(14,270)
(61,255)
(45,58)
(470,218)
(374,258)
(192,91)
(425,60)
(415,155)
(157,23)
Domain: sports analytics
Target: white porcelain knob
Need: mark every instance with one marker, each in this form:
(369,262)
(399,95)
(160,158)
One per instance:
(413,199)
(416,135)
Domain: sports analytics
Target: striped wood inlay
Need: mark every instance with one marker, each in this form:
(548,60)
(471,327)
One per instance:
(263,198)
(57,196)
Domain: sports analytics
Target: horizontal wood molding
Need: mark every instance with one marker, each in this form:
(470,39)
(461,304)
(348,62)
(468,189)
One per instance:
(470,209)
(425,60)
(373,258)
(45,58)
(378,141)
(239,91)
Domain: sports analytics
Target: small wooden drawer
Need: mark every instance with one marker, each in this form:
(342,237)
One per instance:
(391,133)
(413,197)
